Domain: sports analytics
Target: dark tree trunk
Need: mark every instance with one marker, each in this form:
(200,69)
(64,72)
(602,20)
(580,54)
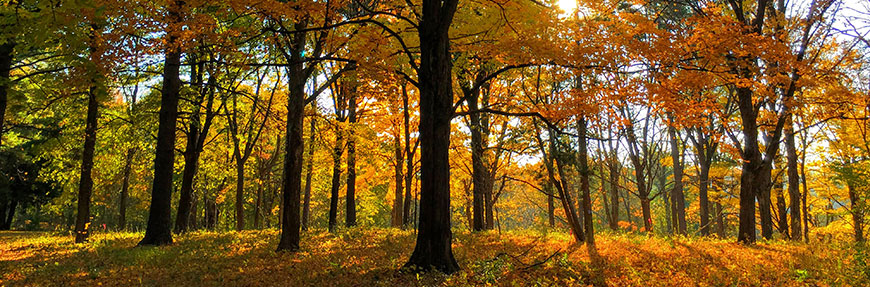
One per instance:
(804,196)
(158,230)
(306,206)
(86,182)
(195,140)
(397,201)
(720,220)
(750,175)
(479,173)
(704,163)
(409,161)
(583,166)
(3,206)
(125,189)
(240,193)
(857,209)
(640,178)
(6,50)
(336,179)
(677,197)
(782,212)
(433,247)
(6,223)
(294,146)
(614,191)
(551,204)
(191,221)
(350,197)
(257,205)
(191,159)
(794,193)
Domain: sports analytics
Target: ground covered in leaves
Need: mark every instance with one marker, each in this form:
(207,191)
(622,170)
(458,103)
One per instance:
(371,257)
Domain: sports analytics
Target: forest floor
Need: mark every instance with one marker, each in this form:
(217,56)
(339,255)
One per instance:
(371,257)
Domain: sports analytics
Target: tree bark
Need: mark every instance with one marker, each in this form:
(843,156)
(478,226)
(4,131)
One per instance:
(782,212)
(640,179)
(804,196)
(306,206)
(350,197)
(336,178)
(397,201)
(125,190)
(6,223)
(433,247)
(794,193)
(158,230)
(752,167)
(409,161)
(614,190)
(584,170)
(551,205)
(86,182)
(857,209)
(294,146)
(720,220)
(479,173)
(677,197)
(6,55)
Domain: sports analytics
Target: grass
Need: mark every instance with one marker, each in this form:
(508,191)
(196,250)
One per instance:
(370,257)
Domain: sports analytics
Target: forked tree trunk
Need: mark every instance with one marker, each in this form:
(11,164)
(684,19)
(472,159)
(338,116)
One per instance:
(677,197)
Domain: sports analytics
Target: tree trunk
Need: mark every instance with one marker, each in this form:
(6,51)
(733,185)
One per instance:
(433,247)
(125,190)
(6,219)
(720,220)
(703,198)
(350,198)
(804,197)
(6,50)
(782,218)
(191,162)
(257,206)
(409,161)
(158,230)
(336,179)
(294,146)
(478,167)
(614,191)
(794,193)
(857,209)
(240,194)
(551,205)
(677,197)
(86,182)
(306,206)
(583,166)
(396,220)
(752,167)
